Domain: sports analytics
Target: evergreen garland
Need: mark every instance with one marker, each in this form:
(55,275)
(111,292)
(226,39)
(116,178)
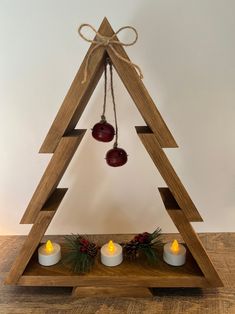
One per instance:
(80,253)
(143,244)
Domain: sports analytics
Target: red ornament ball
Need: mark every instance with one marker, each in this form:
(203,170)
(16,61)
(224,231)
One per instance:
(116,157)
(103,131)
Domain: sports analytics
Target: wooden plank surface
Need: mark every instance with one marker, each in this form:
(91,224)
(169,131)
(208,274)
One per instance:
(114,292)
(190,237)
(168,174)
(140,95)
(38,300)
(137,274)
(77,96)
(53,174)
(109,281)
(35,235)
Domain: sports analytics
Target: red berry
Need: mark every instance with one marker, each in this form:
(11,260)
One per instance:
(83,249)
(141,239)
(84,242)
(146,234)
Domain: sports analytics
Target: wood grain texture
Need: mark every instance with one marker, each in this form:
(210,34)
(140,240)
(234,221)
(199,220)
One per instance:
(190,237)
(168,173)
(117,292)
(53,174)
(140,95)
(77,96)
(136,274)
(57,300)
(35,235)
(63,141)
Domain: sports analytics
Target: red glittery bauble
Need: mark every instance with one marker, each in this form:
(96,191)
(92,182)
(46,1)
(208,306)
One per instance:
(103,131)
(116,157)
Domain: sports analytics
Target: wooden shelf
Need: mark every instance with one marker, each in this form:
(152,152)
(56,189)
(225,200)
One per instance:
(137,273)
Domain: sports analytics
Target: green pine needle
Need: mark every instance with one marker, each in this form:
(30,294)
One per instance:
(77,261)
(147,249)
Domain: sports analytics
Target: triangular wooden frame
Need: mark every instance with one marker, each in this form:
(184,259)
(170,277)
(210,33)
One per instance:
(62,140)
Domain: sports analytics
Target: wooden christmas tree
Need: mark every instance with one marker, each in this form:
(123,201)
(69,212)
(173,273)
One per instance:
(62,141)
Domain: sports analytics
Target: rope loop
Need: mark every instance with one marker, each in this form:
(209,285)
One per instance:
(105,41)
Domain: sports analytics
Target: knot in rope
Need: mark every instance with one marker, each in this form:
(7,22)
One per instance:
(105,41)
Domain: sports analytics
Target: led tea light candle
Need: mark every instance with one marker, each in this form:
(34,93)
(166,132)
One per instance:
(174,253)
(111,254)
(49,254)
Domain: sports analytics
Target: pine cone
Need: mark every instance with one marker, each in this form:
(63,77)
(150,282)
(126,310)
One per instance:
(131,250)
(92,249)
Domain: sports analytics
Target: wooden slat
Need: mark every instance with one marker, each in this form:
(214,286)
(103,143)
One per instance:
(33,239)
(168,174)
(140,96)
(110,281)
(77,96)
(191,238)
(168,199)
(129,273)
(115,292)
(53,174)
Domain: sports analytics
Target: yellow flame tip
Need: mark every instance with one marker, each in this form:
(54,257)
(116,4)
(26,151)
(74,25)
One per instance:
(111,246)
(175,246)
(49,246)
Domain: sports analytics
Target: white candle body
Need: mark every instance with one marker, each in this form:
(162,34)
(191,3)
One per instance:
(174,258)
(46,258)
(111,258)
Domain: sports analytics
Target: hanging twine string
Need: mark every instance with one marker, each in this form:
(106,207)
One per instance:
(114,104)
(108,42)
(103,118)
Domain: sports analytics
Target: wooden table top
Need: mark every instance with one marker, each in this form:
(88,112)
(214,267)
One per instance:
(220,247)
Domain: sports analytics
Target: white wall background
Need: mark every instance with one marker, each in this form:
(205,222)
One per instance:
(186,50)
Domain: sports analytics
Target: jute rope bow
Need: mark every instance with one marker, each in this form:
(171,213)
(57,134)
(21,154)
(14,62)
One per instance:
(105,41)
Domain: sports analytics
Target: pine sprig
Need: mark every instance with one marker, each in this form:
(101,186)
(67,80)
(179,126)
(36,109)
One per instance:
(80,253)
(143,244)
